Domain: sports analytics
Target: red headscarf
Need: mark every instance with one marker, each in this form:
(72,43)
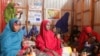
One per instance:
(46,39)
(84,36)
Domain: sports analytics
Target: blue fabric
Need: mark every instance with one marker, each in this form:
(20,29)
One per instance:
(10,41)
(63,23)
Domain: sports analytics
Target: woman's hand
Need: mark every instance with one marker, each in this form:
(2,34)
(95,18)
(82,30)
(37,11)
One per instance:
(47,50)
(55,53)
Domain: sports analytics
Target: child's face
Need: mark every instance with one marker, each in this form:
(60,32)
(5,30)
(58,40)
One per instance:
(54,29)
(58,36)
(75,38)
(84,54)
(74,49)
(25,44)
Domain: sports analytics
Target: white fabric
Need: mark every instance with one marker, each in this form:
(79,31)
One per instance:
(66,51)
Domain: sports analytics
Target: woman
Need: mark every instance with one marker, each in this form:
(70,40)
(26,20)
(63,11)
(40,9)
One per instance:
(33,32)
(10,39)
(85,35)
(47,42)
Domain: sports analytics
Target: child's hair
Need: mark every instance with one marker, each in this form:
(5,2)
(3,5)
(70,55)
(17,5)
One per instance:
(74,48)
(57,29)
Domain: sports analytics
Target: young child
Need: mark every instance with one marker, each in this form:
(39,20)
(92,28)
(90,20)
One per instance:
(66,37)
(74,52)
(75,43)
(24,48)
(30,52)
(66,50)
(57,33)
(84,54)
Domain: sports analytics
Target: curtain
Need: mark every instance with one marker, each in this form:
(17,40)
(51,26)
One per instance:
(3,4)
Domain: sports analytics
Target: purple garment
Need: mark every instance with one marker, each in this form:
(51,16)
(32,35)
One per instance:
(63,23)
(33,31)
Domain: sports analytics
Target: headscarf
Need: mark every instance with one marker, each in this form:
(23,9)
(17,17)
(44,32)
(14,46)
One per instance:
(10,41)
(46,39)
(63,23)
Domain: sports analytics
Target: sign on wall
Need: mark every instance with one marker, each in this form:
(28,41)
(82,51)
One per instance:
(53,13)
(35,17)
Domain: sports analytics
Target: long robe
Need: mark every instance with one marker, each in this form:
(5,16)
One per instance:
(47,39)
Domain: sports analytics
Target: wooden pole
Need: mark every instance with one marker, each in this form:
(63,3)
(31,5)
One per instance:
(27,16)
(75,16)
(72,15)
(82,19)
(43,9)
(92,13)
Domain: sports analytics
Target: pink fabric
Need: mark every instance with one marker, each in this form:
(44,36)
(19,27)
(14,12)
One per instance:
(3,6)
(46,39)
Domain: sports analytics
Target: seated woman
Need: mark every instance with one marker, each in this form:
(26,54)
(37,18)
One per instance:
(47,42)
(10,39)
(85,35)
(33,32)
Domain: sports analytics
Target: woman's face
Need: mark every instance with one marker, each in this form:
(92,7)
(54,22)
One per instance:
(16,27)
(48,26)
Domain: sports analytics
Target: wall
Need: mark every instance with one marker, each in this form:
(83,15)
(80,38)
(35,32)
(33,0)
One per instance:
(97,16)
(83,13)
(87,12)
(63,5)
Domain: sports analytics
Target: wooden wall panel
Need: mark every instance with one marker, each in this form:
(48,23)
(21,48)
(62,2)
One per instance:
(86,20)
(79,6)
(83,12)
(96,28)
(97,13)
(79,16)
(97,16)
(58,4)
(86,4)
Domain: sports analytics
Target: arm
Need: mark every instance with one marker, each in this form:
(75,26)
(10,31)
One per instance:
(40,43)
